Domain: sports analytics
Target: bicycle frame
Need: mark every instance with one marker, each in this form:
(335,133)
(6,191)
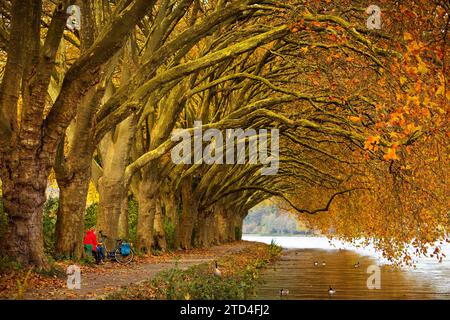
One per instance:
(103,245)
(110,255)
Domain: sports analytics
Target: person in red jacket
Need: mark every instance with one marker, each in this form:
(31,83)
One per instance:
(90,242)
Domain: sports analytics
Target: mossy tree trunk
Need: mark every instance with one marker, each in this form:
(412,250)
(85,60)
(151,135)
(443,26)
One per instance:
(113,189)
(148,201)
(189,215)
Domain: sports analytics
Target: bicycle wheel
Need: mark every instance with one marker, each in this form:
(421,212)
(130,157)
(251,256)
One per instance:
(124,259)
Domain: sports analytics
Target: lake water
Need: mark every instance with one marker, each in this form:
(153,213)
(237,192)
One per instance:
(296,272)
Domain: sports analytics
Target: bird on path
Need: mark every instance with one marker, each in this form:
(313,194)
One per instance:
(217,271)
(284,292)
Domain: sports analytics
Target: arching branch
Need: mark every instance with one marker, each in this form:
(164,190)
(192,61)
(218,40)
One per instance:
(284,197)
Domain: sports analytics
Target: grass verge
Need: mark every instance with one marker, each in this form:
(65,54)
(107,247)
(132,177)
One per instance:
(240,275)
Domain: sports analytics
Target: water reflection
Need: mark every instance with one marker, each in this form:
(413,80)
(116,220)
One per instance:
(296,272)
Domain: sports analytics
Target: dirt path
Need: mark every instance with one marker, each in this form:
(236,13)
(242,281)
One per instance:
(102,280)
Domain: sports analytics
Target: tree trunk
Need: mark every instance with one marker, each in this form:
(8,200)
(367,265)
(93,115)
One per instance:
(70,222)
(158,227)
(230,231)
(199,233)
(73,173)
(169,203)
(205,229)
(110,204)
(147,207)
(123,219)
(236,225)
(24,180)
(221,223)
(188,216)
(114,149)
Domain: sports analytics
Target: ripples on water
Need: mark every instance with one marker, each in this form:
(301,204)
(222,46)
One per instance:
(296,272)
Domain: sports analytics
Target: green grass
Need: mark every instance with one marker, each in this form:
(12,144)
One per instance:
(169,230)
(274,248)
(195,283)
(8,264)
(199,283)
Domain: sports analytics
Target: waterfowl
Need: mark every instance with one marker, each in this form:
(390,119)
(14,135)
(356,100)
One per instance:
(357,265)
(324,263)
(284,292)
(217,271)
(331,291)
(316,263)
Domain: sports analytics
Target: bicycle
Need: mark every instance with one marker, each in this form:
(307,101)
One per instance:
(122,253)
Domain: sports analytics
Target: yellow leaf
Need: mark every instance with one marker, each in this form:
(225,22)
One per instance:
(422,68)
(441,88)
(391,154)
(403,80)
(92,196)
(372,142)
(407,36)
